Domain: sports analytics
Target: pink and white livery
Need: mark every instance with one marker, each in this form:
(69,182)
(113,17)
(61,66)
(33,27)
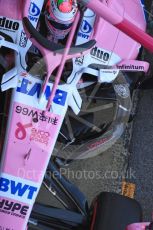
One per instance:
(38,108)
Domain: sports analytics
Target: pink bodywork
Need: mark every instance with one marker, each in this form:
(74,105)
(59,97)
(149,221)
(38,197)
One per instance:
(138,226)
(25,157)
(39,137)
(11,9)
(120,22)
(110,38)
(27,153)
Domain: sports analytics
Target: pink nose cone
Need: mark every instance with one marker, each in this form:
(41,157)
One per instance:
(65,7)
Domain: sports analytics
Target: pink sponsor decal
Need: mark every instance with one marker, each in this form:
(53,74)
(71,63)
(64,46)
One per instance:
(31,139)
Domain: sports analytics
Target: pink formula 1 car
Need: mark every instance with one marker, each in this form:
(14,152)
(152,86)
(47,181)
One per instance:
(77,95)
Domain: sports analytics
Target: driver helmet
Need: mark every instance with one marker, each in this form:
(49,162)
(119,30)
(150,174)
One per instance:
(59,17)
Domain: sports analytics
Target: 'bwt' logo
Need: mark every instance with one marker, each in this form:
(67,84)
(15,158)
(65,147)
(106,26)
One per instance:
(60,95)
(85,30)
(17,189)
(34,10)
(86,27)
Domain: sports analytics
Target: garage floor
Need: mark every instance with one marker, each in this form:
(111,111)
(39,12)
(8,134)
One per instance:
(141,153)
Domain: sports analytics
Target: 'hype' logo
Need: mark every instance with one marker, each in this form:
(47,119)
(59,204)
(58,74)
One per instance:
(13,208)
